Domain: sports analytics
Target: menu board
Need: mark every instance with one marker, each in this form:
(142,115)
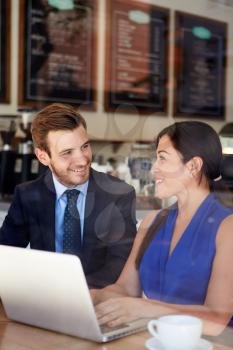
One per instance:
(136,57)
(4,51)
(200,65)
(57,52)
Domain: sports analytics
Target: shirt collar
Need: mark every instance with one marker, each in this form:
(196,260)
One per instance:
(60,188)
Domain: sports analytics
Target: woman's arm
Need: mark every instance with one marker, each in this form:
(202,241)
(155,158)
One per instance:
(128,283)
(219,298)
(216,311)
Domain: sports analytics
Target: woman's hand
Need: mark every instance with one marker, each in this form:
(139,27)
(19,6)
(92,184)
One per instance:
(111,291)
(116,311)
(95,295)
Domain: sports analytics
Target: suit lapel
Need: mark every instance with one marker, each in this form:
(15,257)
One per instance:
(47,212)
(89,215)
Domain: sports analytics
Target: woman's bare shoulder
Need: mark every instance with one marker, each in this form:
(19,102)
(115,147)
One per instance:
(225,232)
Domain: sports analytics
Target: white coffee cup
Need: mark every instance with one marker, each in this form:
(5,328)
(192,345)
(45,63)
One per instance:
(177,332)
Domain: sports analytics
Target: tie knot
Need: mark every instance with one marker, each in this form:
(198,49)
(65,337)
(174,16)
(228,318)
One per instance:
(72,194)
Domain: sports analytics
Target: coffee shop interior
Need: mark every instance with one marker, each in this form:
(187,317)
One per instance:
(131,67)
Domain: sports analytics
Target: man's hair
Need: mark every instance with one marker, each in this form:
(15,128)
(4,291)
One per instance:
(54,117)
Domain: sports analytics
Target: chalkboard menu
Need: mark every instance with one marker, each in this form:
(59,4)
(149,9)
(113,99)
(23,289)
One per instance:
(136,57)
(57,52)
(200,64)
(4,50)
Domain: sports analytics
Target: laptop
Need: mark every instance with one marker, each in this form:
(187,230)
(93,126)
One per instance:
(49,290)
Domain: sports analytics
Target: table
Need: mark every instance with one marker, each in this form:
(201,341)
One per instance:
(17,336)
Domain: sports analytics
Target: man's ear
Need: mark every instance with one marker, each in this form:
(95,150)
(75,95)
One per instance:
(195,165)
(42,156)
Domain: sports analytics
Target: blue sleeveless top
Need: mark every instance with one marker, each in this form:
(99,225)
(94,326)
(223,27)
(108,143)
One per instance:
(183,277)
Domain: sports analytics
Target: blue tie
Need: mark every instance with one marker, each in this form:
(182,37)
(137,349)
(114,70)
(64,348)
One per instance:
(72,242)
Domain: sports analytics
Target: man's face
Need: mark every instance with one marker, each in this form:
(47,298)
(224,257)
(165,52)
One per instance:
(70,156)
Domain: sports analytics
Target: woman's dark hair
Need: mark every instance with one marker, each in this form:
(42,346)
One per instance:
(196,139)
(191,139)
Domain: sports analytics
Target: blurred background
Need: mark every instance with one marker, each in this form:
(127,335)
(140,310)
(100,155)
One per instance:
(131,67)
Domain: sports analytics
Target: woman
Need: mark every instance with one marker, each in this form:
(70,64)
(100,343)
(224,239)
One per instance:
(182,260)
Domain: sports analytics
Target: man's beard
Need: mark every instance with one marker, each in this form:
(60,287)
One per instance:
(63,177)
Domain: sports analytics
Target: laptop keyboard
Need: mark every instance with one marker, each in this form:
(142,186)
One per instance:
(107,329)
(120,331)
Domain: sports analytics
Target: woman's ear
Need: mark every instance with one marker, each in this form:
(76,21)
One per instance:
(42,156)
(195,165)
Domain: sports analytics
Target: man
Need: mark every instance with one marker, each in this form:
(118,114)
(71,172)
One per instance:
(98,224)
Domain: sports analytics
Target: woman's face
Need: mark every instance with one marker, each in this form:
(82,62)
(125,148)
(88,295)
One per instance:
(172,176)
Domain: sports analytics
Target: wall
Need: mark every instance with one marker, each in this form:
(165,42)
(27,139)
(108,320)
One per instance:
(110,126)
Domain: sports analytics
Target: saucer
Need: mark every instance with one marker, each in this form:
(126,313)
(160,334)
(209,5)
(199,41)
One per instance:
(154,344)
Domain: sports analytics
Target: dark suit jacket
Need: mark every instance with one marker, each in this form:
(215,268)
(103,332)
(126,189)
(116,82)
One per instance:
(109,223)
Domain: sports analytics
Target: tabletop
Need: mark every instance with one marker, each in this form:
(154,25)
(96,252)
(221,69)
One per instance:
(17,336)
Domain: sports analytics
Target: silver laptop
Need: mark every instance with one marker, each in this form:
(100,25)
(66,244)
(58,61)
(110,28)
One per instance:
(49,290)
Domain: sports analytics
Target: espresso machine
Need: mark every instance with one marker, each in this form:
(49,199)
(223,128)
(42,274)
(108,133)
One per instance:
(7,160)
(18,162)
(27,167)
